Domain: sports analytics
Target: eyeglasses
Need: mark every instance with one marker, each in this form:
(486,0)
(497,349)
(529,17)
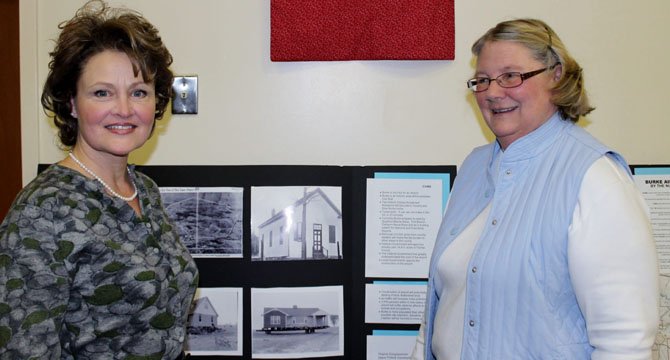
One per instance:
(506,80)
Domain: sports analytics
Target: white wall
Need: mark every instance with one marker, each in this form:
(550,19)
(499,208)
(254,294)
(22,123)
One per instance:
(254,111)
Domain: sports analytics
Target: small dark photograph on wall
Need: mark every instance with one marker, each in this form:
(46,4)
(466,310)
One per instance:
(295,323)
(296,223)
(209,220)
(214,324)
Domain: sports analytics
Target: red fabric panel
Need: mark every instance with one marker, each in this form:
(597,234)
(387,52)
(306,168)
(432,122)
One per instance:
(324,30)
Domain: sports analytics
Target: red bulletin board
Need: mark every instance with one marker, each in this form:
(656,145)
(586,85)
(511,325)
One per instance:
(336,30)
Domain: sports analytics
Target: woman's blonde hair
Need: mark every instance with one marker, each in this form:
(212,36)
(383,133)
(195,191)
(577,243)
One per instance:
(569,94)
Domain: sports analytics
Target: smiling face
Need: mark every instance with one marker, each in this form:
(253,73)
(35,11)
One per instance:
(115,109)
(514,112)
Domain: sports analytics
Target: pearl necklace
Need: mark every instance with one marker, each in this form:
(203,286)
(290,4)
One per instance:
(109,188)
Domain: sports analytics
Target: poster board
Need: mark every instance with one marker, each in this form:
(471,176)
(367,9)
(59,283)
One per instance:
(346,270)
(330,284)
(653,181)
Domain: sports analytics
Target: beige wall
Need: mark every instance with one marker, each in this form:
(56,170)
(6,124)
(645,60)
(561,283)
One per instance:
(254,111)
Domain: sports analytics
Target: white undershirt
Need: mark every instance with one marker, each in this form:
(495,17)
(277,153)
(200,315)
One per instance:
(612,263)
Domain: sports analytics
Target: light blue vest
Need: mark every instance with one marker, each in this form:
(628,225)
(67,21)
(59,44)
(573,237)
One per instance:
(520,303)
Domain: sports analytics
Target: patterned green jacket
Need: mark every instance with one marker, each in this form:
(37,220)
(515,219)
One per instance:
(83,277)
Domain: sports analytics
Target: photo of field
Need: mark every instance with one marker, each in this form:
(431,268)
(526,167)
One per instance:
(209,220)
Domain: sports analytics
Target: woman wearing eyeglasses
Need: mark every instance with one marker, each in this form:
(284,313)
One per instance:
(545,250)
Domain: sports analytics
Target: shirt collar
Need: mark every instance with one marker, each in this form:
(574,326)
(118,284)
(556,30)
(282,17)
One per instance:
(535,142)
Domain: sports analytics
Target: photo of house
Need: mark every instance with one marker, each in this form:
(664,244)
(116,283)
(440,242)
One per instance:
(297,322)
(294,318)
(214,324)
(203,316)
(296,223)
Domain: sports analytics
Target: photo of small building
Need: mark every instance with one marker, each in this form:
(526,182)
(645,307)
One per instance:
(310,227)
(214,323)
(203,316)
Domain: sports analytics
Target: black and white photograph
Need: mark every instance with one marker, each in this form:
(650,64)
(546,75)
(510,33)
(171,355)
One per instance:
(296,223)
(214,324)
(299,322)
(209,219)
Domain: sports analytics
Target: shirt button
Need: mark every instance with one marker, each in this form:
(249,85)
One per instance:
(148,225)
(472,323)
(474,269)
(508,172)
(494,222)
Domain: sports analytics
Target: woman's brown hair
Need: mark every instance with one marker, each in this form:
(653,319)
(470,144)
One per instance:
(94,29)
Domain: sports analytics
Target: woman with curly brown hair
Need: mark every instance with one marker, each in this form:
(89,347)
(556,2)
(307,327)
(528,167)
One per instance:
(90,264)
